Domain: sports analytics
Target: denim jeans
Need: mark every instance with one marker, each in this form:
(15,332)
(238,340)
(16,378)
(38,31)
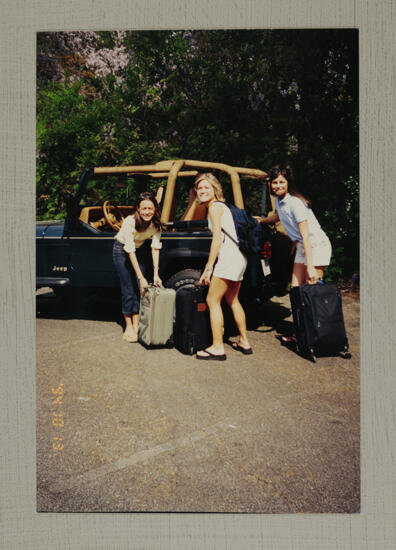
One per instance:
(130,288)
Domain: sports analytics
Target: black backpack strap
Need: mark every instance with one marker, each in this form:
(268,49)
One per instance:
(232,238)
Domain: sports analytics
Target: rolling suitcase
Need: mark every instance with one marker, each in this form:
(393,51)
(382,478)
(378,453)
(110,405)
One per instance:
(157,308)
(318,320)
(192,325)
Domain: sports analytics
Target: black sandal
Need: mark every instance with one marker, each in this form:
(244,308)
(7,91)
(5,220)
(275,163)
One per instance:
(211,356)
(288,340)
(238,347)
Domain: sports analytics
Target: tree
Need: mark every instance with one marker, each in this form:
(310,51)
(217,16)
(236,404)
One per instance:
(243,97)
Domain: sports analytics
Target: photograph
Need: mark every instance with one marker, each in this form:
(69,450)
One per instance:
(198,271)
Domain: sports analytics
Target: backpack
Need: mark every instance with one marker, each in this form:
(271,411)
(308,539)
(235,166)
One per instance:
(247,230)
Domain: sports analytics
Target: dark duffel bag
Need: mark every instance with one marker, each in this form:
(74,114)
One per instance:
(318,320)
(192,330)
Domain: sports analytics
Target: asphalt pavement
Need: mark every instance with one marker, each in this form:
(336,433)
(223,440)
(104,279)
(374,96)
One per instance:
(123,428)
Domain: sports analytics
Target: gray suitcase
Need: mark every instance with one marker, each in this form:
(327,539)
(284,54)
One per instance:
(157,309)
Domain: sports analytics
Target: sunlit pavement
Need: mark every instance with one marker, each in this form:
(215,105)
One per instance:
(123,428)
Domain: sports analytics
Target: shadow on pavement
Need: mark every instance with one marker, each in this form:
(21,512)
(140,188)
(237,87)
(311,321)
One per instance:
(79,305)
(274,316)
(268,317)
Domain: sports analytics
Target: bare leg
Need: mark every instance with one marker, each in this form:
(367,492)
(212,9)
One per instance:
(231,297)
(217,289)
(135,322)
(299,275)
(320,271)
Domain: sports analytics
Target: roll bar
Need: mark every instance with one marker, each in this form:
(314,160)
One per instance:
(172,169)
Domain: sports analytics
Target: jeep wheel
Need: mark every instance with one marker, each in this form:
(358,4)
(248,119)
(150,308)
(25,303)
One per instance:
(187,277)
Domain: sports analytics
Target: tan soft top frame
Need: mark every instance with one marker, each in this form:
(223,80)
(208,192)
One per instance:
(172,169)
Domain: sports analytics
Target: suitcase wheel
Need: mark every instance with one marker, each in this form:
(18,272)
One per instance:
(170,343)
(347,355)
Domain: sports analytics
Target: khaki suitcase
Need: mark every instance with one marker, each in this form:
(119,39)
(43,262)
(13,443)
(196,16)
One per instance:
(157,309)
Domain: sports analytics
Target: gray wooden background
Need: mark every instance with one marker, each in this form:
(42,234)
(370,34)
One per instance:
(21,526)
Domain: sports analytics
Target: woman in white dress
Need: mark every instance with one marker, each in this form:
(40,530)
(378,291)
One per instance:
(224,277)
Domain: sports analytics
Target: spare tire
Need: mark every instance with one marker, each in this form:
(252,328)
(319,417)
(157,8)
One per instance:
(186,277)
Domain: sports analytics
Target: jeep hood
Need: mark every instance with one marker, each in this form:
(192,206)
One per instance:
(49,228)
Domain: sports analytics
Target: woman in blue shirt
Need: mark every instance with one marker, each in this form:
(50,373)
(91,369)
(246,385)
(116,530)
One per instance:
(313,248)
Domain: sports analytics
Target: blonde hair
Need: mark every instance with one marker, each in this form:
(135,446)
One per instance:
(214,182)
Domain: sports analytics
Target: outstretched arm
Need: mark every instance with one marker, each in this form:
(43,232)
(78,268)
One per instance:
(269,220)
(155,254)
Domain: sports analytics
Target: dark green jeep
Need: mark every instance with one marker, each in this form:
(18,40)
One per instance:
(77,253)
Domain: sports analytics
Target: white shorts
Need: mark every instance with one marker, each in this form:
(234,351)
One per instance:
(231,267)
(321,253)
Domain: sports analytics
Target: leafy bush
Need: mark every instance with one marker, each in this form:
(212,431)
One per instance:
(247,98)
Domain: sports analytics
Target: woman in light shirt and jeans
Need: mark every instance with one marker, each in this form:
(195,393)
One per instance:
(131,258)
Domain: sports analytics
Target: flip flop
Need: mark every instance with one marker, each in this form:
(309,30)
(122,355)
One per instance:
(238,347)
(211,356)
(288,340)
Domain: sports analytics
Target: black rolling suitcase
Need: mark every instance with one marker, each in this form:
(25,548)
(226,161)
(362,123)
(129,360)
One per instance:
(318,320)
(192,330)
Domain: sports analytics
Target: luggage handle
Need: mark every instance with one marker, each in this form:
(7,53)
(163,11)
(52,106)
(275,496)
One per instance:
(320,282)
(153,287)
(196,284)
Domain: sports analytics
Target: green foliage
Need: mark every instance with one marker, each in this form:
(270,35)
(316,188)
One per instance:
(247,98)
